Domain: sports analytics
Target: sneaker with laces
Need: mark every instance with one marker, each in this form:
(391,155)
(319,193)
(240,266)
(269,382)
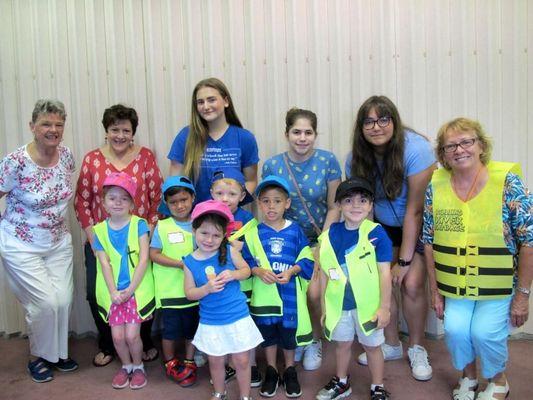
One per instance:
(291,384)
(334,389)
(379,393)
(138,379)
(313,356)
(230,374)
(299,353)
(390,353)
(188,374)
(271,382)
(65,365)
(121,379)
(419,360)
(256,378)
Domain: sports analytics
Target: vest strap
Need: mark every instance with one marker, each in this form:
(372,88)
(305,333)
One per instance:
(473,270)
(472,250)
(147,308)
(473,291)
(265,310)
(176,301)
(304,338)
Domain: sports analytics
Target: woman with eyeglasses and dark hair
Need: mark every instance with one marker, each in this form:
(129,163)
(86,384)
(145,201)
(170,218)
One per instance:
(478,237)
(119,153)
(399,162)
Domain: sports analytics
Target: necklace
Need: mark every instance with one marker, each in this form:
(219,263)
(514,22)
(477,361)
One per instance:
(472,187)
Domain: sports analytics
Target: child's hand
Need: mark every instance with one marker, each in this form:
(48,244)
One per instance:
(125,294)
(383,317)
(116,297)
(284,277)
(226,276)
(215,285)
(265,275)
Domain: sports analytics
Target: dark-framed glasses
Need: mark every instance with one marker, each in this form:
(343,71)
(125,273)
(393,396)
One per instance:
(370,123)
(465,144)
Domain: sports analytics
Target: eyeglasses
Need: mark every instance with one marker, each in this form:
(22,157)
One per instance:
(465,144)
(382,122)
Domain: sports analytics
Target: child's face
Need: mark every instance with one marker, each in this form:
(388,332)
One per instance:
(180,205)
(210,104)
(355,209)
(229,192)
(117,202)
(273,202)
(301,137)
(208,237)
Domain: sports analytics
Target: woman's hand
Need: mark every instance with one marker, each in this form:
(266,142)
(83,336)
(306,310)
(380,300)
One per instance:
(215,285)
(323,320)
(437,303)
(398,273)
(519,309)
(266,275)
(382,317)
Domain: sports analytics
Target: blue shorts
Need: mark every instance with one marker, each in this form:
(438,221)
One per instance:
(180,323)
(277,334)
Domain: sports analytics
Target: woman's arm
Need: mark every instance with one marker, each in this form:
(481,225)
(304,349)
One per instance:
(520,304)
(176,168)
(154,180)
(83,198)
(437,300)
(334,213)
(250,175)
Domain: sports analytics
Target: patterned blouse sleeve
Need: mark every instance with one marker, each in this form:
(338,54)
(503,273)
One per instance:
(8,174)
(154,180)
(84,194)
(518,210)
(428,227)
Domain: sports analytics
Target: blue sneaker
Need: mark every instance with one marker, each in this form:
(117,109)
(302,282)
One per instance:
(40,371)
(65,365)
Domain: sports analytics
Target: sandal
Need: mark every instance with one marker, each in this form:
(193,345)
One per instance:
(466,390)
(150,355)
(218,395)
(492,389)
(40,371)
(102,358)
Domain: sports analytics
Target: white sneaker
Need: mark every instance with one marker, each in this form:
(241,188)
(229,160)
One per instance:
(200,358)
(420,368)
(313,356)
(299,353)
(389,353)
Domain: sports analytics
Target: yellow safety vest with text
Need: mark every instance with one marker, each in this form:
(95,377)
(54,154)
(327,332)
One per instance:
(471,258)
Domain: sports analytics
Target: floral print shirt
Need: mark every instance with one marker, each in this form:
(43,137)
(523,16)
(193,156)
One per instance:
(37,197)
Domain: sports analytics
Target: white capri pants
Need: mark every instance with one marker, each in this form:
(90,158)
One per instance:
(41,279)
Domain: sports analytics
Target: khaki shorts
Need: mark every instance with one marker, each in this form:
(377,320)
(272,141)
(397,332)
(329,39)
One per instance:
(348,327)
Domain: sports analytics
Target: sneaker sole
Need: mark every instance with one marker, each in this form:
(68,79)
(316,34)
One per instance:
(422,378)
(50,378)
(136,387)
(307,368)
(340,396)
(121,387)
(270,394)
(365,362)
(255,384)
(67,369)
(293,395)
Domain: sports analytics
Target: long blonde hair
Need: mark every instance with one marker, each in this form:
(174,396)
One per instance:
(198,129)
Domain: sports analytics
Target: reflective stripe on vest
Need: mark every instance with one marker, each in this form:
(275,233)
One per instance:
(266,301)
(144,294)
(471,257)
(364,280)
(168,281)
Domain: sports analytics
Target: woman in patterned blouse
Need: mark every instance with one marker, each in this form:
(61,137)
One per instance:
(35,245)
(119,154)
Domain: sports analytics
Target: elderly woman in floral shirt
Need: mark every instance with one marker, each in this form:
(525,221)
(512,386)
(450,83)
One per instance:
(35,245)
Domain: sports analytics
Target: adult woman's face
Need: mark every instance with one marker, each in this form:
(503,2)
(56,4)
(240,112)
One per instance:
(462,150)
(377,130)
(301,137)
(48,130)
(120,135)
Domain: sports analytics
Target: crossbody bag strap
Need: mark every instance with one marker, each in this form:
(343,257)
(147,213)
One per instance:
(318,231)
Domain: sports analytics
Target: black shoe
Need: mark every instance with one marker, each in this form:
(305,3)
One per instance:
(379,393)
(65,365)
(256,377)
(290,381)
(271,382)
(230,374)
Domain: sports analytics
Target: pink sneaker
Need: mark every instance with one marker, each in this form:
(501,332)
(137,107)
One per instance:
(120,380)
(138,379)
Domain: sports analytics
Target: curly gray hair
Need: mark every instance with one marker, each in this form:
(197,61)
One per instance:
(48,106)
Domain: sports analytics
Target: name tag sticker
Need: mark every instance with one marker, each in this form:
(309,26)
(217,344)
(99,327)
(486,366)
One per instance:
(333,274)
(176,237)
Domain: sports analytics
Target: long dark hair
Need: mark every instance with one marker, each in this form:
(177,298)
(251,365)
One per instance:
(220,222)
(363,153)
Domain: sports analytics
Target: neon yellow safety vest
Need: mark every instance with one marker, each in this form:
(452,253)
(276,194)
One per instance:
(246,285)
(144,294)
(471,258)
(364,279)
(169,281)
(266,301)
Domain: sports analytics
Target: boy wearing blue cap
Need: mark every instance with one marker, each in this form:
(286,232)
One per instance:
(172,240)
(282,264)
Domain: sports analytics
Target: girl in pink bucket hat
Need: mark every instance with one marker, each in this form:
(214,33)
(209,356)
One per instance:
(212,275)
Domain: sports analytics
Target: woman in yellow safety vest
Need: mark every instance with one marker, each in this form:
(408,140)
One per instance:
(478,236)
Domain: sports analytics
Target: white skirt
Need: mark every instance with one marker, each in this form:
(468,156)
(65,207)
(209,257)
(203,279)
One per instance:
(219,340)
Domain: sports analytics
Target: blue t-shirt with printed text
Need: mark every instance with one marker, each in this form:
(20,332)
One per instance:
(119,241)
(313,176)
(344,241)
(237,149)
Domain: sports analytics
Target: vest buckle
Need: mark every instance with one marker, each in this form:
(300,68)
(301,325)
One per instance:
(472,250)
(472,270)
(471,291)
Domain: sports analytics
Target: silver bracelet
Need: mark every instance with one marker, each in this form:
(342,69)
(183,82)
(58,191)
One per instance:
(523,290)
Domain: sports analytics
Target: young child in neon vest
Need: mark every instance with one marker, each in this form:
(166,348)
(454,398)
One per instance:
(228,186)
(282,264)
(124,282)
(172,240)
(212,275)
(355,258)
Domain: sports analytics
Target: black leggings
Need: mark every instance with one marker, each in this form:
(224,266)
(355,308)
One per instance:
(105,340)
